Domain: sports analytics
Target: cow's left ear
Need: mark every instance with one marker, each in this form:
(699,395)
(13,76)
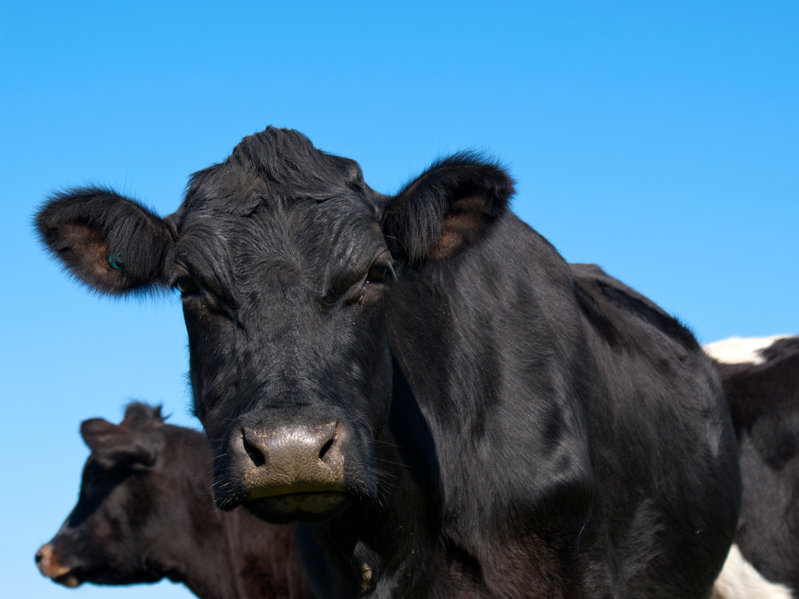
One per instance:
(446,208)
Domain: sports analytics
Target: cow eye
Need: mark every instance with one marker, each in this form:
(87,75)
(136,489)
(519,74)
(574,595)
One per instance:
(187,285)
(377,273)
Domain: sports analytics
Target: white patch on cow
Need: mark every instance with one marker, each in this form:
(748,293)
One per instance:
(739,580)
(740,350)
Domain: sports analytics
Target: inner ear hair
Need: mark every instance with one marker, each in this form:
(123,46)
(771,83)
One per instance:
(86,254)
(461,226)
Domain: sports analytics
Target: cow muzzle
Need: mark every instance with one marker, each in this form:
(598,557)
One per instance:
(51,567)
(286,472)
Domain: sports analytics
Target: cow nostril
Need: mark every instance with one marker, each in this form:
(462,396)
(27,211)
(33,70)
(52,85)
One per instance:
(326,447)
(256,456)
(39,556)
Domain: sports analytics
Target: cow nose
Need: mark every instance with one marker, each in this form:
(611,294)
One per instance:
(47,562)
(50,566)
(295,458)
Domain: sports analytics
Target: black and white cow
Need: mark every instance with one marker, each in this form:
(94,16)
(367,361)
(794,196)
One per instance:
(146,512)
(760,377)
(419,379)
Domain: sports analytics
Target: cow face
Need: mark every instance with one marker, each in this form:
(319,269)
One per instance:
(115,521)
(284,258)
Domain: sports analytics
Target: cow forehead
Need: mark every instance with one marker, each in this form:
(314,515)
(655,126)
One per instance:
(270,187)
(275,163)
(300,246)
(299,234)
(277,204)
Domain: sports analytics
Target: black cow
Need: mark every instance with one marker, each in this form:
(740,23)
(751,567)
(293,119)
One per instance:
(760,377)
(145,512)
(418,379)
(738,578)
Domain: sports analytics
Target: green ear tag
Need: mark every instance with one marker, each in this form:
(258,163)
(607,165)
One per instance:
(115,261)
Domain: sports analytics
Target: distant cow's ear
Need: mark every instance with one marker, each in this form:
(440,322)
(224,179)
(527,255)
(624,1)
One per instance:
(112,443)
(111,243)
(445,209)
(96,431)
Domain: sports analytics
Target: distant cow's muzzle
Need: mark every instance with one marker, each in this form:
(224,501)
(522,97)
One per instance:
(284,472)
(50,566)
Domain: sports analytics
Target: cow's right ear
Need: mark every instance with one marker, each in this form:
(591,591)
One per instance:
(112,443)
(110,242)
(97,432)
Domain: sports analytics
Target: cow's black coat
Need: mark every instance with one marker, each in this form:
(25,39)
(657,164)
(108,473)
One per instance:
(764,402)
(462,417)
(145,512)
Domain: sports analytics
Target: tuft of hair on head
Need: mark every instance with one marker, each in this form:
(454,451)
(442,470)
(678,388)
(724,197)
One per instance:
(138,413)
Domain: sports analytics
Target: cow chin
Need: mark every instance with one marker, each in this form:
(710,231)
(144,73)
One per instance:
(306,507)
(68,580)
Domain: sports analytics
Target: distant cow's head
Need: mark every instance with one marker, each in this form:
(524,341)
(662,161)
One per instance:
(126,498)
(283,257)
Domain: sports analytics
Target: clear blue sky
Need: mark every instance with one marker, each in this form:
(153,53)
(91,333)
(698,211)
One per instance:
(660,140)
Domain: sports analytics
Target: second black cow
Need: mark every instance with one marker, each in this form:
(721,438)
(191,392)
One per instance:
(418,378)
(145,513)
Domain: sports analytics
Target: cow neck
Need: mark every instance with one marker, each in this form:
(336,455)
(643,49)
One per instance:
(210,570)
(366,534)
(376,560)
(232,555)
(202,556)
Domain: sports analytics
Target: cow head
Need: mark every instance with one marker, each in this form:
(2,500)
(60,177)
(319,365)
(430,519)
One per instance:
(124,500)
(283,257)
